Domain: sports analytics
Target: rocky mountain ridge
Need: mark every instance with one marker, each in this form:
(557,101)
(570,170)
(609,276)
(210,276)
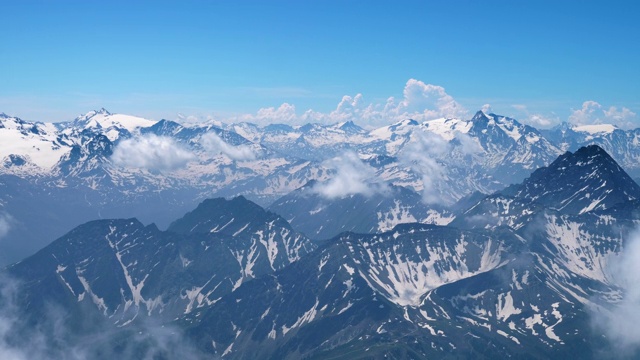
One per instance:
(513,275)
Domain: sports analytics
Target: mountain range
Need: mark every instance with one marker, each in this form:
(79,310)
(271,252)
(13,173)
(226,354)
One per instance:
(104,165)
(478,238)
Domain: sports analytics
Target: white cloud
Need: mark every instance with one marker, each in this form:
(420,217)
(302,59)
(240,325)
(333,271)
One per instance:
(486,108)
(520,107)
(285,113)
(540,121)
(426,101)
(350,105)
(51,338)
(587,115)
(592,113)
(199,120)
(620,323)
(352,176)
(6,222)
(151,152)
(215,145)
(482,220)
(468,145)
(188,118)
(420,155)
(624,117)
(534,119)
(420,101)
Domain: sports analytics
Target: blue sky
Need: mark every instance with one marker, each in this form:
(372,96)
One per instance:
(536,60)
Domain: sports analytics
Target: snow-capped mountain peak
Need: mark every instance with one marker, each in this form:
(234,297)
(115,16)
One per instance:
(515,270)
(90,114)
(480,116)
(111,124)
(349,127)
(448,128)
(579,182)
(509,126)
(34,143)
(400,128)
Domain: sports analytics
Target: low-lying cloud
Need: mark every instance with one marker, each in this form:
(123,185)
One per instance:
(620,321)
(214,144)
(421,156)
(50,338)
(467,144)
(6,222)
(151,152)
(352,176)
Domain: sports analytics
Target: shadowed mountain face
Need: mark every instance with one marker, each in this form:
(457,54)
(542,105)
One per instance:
(319,217)
(579,182)
(123,269)
(102,165)
(587,181)
(521,273)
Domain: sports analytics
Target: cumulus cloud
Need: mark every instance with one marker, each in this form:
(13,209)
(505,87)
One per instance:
(587,115)
(624,117)
(592,113)
(420,101)
(420,155)
(427,101)
(285,113)
(151,152)
(349,108)
(534,119)
(212,143)
(352,176)
(620,323)
(541,121)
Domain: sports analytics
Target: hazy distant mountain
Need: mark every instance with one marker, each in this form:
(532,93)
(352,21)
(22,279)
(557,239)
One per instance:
(515,275)
(104,165)
(311,213)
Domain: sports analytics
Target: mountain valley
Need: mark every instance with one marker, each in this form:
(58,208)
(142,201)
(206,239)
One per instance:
(449,238)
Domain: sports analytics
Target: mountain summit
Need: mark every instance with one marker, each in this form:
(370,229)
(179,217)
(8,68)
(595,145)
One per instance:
(579,182)
(520,270)
(226,217)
